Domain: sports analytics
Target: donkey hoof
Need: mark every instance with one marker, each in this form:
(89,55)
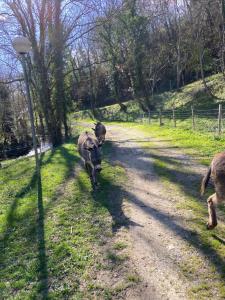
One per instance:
(210,226)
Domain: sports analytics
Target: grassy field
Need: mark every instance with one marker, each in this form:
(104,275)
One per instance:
(49,246)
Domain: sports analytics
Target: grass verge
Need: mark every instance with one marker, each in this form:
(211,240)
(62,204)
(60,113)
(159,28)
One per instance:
(49,245)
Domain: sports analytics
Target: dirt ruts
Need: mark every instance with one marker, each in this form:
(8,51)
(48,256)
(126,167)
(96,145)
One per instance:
(159,233)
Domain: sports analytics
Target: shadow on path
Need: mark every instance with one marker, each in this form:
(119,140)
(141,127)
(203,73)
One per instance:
(176,171)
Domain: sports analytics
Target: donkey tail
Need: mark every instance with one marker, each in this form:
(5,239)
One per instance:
(205,181)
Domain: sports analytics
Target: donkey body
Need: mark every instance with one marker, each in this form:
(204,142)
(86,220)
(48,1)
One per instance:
(217,173)
(100,132)
(88,148)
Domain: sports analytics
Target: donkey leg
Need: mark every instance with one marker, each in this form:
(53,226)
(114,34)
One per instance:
(89,171)
(212,212)
(86,167)
(94,176)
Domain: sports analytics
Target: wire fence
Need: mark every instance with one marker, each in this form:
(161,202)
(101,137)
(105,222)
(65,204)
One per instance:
(200,120)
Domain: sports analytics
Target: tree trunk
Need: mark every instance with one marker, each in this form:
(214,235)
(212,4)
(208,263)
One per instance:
(58,69)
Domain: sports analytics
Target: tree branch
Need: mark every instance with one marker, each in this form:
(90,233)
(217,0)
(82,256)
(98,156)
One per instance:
(11,81)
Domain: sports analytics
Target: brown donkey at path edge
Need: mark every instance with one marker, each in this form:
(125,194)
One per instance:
(217,173)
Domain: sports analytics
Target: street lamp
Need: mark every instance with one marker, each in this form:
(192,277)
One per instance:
(22,46)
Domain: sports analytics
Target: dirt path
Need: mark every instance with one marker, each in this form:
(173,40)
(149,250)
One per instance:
(160,236)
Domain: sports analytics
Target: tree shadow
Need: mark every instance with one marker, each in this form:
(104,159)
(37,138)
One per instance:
(221,240)
(23,237)
(42,257)
(112,196)
(174,170)
(190,236)
(32,227)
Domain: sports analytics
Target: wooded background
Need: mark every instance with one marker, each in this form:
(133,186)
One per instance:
(91,53)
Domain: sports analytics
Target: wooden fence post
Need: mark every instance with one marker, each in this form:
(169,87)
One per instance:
(174,118)
(193,117)
(220,120)
(149,117)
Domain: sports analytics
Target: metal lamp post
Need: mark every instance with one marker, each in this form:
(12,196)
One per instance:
(22,46)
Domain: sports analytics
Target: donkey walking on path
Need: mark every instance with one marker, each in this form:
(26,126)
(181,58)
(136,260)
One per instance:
(88,148)
(100,132)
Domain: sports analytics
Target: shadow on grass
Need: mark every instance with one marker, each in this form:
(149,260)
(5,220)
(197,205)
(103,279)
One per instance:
(34,231)
(109,195)
(221,240)
(43,268)
(23,238)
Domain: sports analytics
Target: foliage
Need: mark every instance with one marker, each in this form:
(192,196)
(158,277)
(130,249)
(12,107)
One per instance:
(150,48)
(14,137)
(193,94)
(89,56)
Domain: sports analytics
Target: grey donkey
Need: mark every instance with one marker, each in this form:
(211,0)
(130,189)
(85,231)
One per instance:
(100,132)
(89,150)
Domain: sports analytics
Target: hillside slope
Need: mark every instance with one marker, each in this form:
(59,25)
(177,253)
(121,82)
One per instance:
(191,94)
(195,94)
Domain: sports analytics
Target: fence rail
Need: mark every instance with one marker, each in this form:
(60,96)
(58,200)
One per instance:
(201,120)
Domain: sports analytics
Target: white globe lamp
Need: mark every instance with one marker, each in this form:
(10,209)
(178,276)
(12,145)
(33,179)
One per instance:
(21,44)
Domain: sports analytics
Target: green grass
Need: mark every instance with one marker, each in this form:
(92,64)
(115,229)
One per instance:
(49,246)
(202,146)
(133,278)
(116,258)
(120,245)
(194,94)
